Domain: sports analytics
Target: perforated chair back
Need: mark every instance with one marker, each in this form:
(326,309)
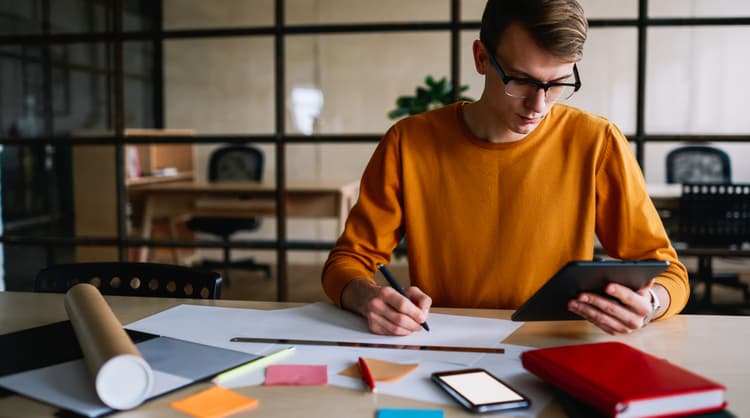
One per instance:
(715,215)
(698,164)
(231,163)
(236,162)
(132,279)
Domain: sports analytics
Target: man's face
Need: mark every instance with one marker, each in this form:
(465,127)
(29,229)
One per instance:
(519,55)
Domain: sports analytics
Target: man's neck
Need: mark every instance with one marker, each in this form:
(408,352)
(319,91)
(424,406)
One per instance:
(480,119)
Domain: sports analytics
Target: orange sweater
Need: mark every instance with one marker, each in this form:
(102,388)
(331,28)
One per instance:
(487,224)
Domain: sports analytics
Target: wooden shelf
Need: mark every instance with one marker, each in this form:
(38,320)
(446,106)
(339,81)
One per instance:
(142,181)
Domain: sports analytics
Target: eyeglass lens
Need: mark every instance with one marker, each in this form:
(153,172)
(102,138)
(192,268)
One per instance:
(523,89)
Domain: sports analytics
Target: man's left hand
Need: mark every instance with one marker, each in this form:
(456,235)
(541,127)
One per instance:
(622,313)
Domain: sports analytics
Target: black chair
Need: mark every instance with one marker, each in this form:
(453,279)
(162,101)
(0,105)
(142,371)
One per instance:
(232,163)
(716,216)
(701,165)
(698,164)
(132,279)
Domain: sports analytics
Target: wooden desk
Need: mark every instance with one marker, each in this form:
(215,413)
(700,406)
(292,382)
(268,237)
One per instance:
(313,199)
(710,345)
(145,180)
(664,190)
(665,196)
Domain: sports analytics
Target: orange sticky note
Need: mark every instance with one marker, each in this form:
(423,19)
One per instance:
(215,402)
(382,370)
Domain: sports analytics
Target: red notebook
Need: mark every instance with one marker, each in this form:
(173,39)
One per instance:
(622,381)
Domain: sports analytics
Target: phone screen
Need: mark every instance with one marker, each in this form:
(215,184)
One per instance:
(482,390)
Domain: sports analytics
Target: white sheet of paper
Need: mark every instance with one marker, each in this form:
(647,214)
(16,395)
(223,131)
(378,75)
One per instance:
(215,326)
(175,363)
(317,321)
(417,384)
(68,385)
(322,321)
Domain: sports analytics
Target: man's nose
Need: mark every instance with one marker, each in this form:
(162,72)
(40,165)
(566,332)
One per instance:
(537,101)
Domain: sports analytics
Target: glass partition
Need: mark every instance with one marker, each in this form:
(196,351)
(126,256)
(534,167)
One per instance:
(201,14)
(360,76)
(307,12)
(698,8)
(609,76)
(220,85)
(697,80)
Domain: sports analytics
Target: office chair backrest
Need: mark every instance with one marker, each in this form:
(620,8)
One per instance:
(715,215)
(698,164)
(236,162)
(132,279)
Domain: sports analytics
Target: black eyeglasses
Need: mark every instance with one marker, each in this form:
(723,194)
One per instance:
(522,88)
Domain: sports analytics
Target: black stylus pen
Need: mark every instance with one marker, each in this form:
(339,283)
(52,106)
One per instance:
(394,284)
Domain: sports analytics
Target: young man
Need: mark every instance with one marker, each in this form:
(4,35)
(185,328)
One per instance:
(497,195)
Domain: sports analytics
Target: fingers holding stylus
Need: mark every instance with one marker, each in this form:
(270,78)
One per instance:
(412,303)
(421,300)
(391,313)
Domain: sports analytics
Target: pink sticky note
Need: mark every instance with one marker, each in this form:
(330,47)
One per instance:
(296,374)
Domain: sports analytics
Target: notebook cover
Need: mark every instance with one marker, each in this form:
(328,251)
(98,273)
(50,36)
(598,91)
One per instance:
(610,376)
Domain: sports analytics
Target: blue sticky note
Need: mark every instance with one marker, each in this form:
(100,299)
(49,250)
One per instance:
(409,413)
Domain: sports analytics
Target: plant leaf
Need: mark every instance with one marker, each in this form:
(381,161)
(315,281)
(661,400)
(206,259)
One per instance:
(404,101)
(432,95)
(397,113)
(422,95)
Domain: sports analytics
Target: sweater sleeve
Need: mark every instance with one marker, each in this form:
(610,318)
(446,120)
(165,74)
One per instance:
(627,223)
(375,223)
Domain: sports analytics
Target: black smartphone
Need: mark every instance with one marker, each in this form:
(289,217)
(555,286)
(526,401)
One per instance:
(479,391)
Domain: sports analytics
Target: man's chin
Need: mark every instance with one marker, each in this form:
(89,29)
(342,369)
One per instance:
(526,128)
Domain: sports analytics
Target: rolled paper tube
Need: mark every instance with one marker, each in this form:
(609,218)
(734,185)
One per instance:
(122,378)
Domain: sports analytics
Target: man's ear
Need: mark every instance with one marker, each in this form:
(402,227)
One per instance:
(481,59)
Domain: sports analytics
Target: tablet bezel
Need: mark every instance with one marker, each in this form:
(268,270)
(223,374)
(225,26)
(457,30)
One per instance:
(550,302)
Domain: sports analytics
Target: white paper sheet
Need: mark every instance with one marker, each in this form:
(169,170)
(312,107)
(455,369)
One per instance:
(318,321)
(52,385)
(321,321)
(69,386)
(175,363)
(417,384)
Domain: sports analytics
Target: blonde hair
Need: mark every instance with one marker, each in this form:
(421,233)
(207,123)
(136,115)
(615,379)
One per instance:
(559,26)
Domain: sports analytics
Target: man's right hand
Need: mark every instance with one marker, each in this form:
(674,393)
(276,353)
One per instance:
(387,311)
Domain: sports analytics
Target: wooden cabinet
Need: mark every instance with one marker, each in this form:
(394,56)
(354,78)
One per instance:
(95,184)
(150,160)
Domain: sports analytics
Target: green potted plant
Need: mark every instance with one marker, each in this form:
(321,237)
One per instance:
(432,95)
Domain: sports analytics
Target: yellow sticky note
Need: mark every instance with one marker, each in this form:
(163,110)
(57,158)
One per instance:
(382,370)
(215,402)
